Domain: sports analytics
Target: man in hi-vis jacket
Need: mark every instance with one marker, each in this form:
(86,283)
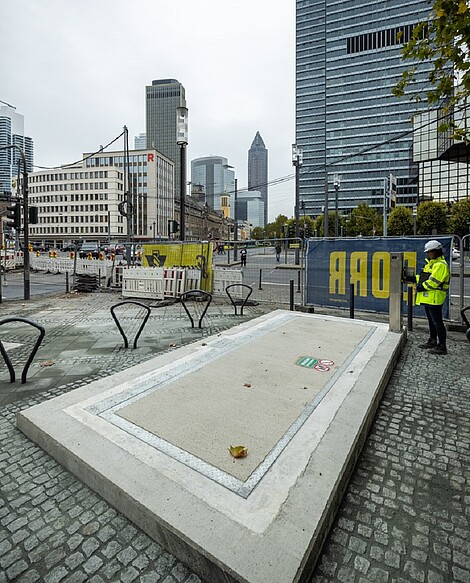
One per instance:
(432,285)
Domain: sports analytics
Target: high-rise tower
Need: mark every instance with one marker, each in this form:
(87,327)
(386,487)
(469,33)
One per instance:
(216,176)
(258,171)
(163,98)
(348,60)
(12,133)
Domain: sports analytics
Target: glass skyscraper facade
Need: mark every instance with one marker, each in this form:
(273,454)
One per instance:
(216,177)
(12,133)
(348,59)
(163,98)
(258,171)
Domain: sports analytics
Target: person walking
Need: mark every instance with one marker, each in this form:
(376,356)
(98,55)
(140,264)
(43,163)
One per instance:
(432,285)
(277,249)
(243,257)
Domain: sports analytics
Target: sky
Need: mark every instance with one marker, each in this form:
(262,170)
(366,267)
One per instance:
(77,72)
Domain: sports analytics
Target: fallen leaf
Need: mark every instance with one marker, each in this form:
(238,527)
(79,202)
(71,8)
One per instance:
(248,385)
(172,345)
(47,363)
(238,451)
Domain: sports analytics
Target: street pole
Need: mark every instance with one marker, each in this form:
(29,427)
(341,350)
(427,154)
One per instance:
(336,183)
(297,155)
(182,141)
(128,203)
(385,209)
(25,191)
(326,218)
(235,222)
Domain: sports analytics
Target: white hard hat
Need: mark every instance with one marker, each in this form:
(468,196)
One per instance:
(432,246)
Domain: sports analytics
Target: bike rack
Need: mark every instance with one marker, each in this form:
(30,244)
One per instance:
(244,301)
(466,322)
(196,292)
(147,316)
(6,358)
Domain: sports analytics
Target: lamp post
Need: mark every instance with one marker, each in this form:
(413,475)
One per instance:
(182,141)
(336,183)
(297,158)
(25,192)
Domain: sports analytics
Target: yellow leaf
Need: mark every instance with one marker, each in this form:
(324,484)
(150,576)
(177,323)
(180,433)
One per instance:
(462,8)
(238,451)
(440,12)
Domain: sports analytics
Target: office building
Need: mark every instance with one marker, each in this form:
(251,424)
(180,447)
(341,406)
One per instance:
(348,59)
(140,142)
(258,172)
(12,133)
(83,201)
(163,98)
(250,208)
(216,177)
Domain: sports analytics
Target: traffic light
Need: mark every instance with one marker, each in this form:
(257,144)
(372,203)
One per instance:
(33,215)
(14,216)
(174,226)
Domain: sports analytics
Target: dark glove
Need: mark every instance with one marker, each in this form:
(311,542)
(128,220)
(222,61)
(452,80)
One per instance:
(420,287)
(408,275)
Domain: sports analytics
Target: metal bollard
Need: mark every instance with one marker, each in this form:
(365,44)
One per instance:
(410,308)
(298,281)
(67,289)
(260,276)
(351,301)
(291,289)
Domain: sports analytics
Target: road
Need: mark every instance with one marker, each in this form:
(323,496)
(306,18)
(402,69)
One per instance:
(40,283)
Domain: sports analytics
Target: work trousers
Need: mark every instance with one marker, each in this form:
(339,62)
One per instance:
(437,329)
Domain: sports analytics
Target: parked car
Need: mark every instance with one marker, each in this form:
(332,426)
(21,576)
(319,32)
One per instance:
(88,248)
(68,248)
(455,254)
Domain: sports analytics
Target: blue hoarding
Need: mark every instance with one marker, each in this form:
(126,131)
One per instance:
(333,264)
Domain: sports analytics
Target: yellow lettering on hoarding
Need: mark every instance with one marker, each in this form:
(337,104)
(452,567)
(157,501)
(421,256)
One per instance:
(381,274)
(338,272)
(358,271)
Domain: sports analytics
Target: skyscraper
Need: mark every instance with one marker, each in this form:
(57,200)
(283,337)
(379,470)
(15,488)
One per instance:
(12,133)
(348,60)
(163,97)
(216,176)
(258,171)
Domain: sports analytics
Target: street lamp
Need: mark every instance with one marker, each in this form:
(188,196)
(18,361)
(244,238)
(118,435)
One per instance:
(336,183)
(235,215)
(297,158)
(182,141)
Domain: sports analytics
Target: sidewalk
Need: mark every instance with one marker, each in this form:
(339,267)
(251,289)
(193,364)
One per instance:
(404,517)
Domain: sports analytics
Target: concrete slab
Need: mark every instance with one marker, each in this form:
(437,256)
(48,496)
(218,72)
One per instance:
(298,390)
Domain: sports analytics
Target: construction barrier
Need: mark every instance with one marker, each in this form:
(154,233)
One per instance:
(157,282)
(65,265)
(11,259)
(225,277)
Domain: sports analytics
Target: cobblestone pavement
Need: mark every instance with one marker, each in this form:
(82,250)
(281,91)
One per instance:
(404,517)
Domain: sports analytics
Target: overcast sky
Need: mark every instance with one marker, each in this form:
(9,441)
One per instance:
(77,71)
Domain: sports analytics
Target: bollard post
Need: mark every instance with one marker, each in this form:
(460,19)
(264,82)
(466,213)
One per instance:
(67,282)
(291,289)
(396,292)
(298,281)
(351,301)
(99,277)
(410,308)
(260,276)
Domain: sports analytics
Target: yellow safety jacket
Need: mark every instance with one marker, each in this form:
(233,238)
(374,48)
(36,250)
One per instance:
(435,278)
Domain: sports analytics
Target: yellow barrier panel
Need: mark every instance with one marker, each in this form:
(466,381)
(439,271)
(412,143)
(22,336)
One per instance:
(197,255)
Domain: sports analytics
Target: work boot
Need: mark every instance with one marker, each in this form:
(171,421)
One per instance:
(439,349)
(431,343)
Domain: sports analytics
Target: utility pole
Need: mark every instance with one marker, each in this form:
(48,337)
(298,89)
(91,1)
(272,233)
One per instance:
(336,183)
(326,218)
(235,221)
(297,158)
(182,142)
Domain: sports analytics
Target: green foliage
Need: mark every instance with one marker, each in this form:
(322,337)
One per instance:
(257,233)
(364,220)
(318,225)
(400,221)
(431,216)
(460,220)
(442,40)
(275,229)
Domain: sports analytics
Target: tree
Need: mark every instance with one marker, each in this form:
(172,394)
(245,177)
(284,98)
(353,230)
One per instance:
(431,218)
(257,233)
(460,220)
(400,221)
(441,40)
(276,228)
(318,226)
(364,220)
